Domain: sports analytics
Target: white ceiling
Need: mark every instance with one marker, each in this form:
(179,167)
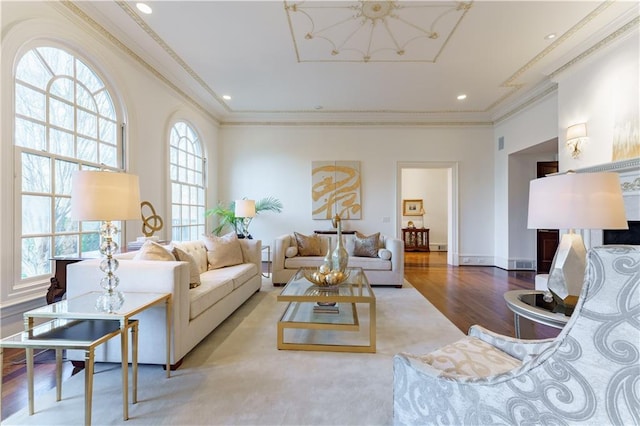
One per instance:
(495,52)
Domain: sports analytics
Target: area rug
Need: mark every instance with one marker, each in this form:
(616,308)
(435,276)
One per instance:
(237,376)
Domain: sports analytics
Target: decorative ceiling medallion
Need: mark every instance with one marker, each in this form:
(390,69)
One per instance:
(372,31)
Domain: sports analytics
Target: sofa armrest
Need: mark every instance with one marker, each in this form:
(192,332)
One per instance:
(396,247)
(139,276)
(280,245)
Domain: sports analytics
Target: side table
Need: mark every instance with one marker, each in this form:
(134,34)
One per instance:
(268,249)
(83,308)
(61,334)
(523,304)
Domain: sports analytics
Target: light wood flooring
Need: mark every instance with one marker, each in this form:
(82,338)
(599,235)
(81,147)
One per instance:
(465,295)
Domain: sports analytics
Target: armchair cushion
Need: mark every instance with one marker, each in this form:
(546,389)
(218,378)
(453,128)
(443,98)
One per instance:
(366,246)
(471,357)
(308,245)
(223,251)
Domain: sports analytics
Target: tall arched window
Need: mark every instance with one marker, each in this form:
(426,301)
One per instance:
(186,166)
(65,120)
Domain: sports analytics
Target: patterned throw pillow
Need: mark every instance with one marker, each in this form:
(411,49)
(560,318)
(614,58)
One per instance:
(151,250)
(366,246)
(223,251)
(308,245)
(194,269)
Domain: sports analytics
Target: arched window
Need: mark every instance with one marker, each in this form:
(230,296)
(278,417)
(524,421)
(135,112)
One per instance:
(65,121)
(186,168)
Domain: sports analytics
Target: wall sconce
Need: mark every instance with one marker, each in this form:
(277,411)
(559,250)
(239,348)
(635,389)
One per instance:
(576,134)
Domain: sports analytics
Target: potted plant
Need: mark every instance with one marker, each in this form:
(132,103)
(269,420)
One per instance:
(227,218)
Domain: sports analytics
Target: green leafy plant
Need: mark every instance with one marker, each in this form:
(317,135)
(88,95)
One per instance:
(227,218)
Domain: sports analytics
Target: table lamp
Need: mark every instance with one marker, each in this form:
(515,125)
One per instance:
(107,197)
(574,201)
(246,210)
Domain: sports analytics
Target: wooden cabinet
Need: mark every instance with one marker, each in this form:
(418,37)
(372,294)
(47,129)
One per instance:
(415,239)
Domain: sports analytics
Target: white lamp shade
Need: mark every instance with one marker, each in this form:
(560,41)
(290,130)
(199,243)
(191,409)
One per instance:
(577,201)
(98,195)
(245,208)
(577,131)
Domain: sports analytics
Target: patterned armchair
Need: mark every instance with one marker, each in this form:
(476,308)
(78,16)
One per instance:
(589,374)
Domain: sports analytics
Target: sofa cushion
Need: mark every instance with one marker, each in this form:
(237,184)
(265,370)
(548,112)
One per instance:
(366,246)
(291,251)
(151,250)
(223,251)
(194,268)
(308,245)
(196,249)
(302,261)
(384,254)
(471,357)
(369,263)
(213,288)
(238,274)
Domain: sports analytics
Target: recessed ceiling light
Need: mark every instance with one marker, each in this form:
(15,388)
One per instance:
(226,97)
(144,8)
(462,97)
(550,36)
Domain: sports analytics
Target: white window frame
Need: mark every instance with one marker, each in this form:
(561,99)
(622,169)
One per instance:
(83,228)
(187,173)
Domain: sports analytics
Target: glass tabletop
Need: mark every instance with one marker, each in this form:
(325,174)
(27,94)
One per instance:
(355,289)
(84,306)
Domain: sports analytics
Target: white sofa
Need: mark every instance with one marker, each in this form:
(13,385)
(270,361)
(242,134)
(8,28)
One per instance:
(379,271)
(196,311)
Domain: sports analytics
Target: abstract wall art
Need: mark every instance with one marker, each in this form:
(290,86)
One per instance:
(336,189)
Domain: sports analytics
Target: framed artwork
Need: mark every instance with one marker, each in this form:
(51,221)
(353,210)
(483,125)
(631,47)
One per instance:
(335,189)
(412,207)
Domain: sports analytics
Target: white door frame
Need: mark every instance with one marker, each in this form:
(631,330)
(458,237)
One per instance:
(452,200)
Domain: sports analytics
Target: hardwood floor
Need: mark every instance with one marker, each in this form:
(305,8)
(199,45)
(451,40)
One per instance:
(465,295)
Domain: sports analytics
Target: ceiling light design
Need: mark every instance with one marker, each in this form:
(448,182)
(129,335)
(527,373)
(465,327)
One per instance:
(373,31)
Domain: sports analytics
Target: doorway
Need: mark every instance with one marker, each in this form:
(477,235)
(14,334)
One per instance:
(451,170)
(546,239)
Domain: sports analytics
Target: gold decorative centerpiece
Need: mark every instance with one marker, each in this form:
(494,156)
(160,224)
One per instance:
(334,269)
(324,277)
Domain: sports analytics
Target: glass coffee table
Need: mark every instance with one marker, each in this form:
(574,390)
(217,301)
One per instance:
(320,319)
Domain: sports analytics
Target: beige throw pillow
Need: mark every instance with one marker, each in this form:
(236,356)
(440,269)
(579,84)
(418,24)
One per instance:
(194,268)
(151,250)
(366,246)
(308,245)
(223,251)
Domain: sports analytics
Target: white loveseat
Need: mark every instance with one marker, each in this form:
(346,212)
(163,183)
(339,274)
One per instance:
(196,311)
(379,270)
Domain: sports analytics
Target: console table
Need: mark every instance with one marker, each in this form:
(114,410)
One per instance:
(333,232)
(416,239)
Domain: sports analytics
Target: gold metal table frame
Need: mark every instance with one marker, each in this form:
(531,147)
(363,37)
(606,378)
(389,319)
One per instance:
(303,295)
(83,308)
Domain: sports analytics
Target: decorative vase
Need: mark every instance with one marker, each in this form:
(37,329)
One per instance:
(339,257)
(325,268)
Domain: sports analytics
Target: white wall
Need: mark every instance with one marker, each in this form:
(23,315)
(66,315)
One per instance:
(262,161)
(601,91)
(532,126)
(430,186)
(149,108)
